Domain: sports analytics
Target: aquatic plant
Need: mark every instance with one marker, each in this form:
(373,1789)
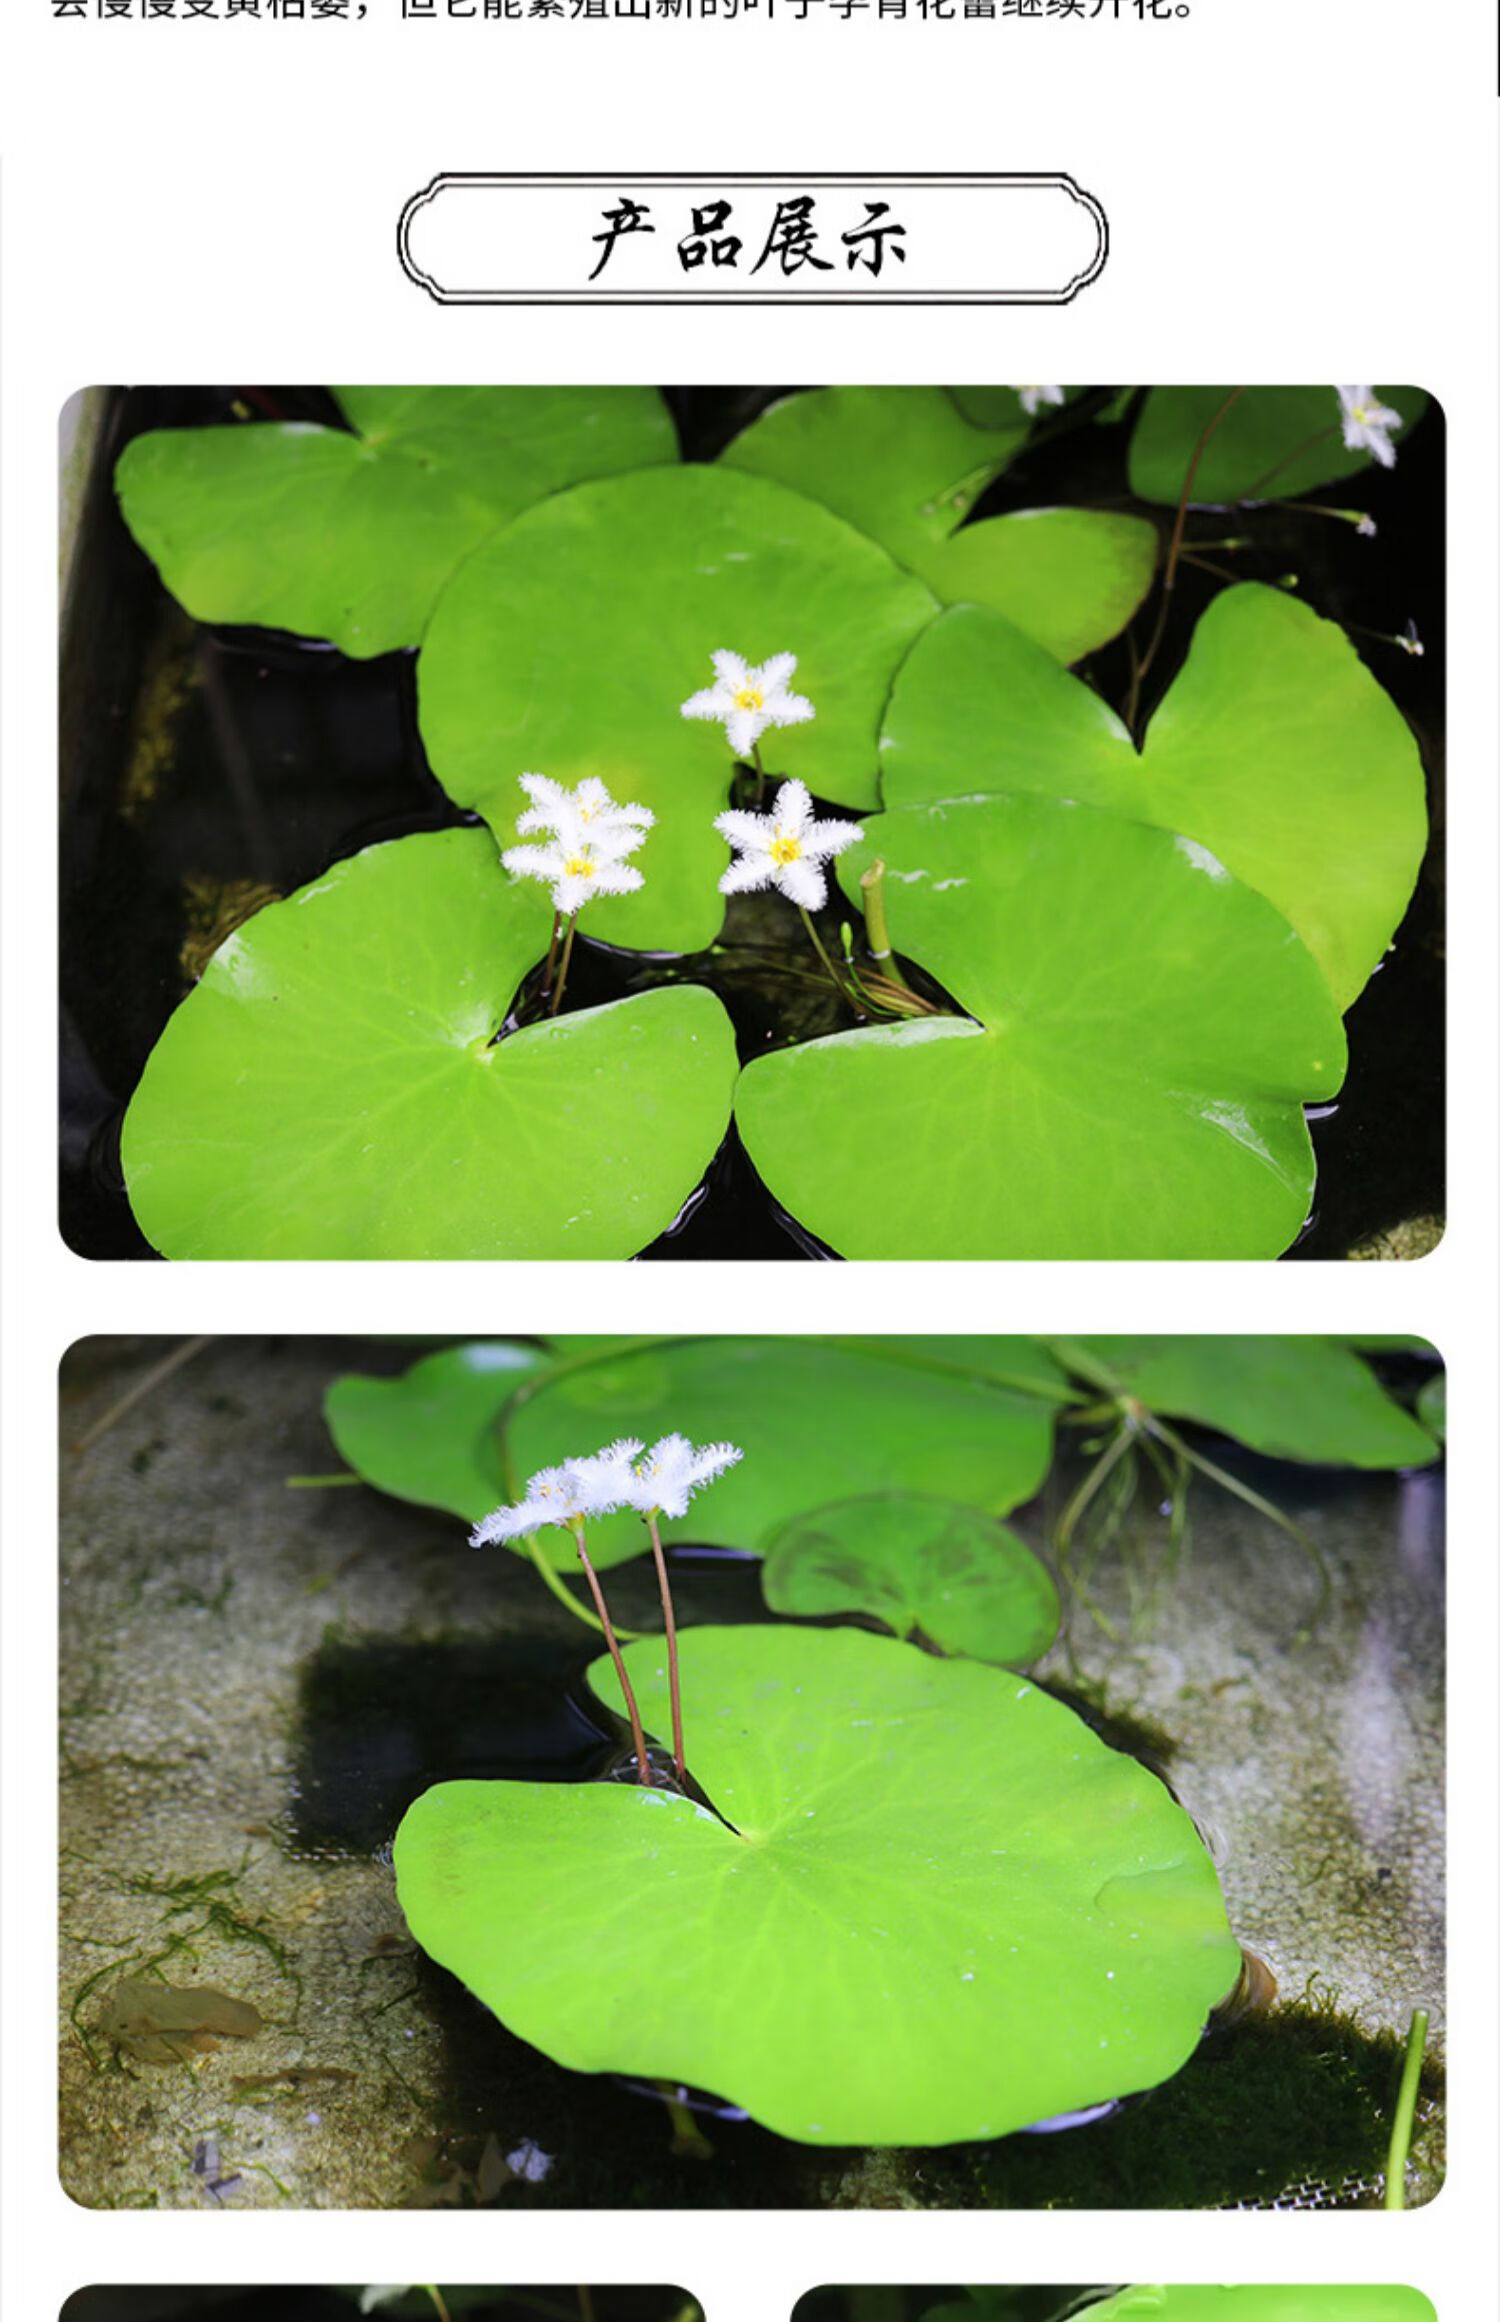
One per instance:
(881,1467)
(1097,974)
(925,1904)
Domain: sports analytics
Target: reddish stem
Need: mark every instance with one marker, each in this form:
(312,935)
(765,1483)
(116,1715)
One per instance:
(669,1620)
(637,1733)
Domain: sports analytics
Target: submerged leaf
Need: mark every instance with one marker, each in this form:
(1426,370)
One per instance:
(926,1567)
(569,643)
(348,534)
(937,1907)
(333,1087)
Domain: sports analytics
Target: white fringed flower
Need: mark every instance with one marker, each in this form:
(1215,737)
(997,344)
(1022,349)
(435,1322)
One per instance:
(590,836)
(1367,424)
(554,1495)
(746,700)
(1032,398)
(665,1479)
(784,848)
(585,813)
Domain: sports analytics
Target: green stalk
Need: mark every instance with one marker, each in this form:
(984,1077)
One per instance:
(562,973)
(670,1623)
(872,888)
(1405,2114)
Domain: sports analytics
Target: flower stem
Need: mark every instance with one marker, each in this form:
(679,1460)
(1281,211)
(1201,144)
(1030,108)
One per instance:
(1406,2108)
(669,1621)
(637,1734)
(562,973)
(872,888)
(1174,551)
(760,773)
(551,953)
(439,2301)
(817,943)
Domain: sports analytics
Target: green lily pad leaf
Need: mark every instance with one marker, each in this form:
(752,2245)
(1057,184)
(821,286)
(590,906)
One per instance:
(937,1907)
(906,464)
(349,534)
(926,1567)
(1275,749)
(1291,1398)
(333,1089)
(430,1436)
(1263,2302)
(943,1409)
(1148,1030)
(1277,442)
(568,644)
(817,1420)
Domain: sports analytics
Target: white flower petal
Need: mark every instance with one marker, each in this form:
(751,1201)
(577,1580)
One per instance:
(773,674)
(732,670)
(792,809)
(744,727)
(789,709)
(743,829)
(713,702)
(750,872)
(831,838)
(804,883)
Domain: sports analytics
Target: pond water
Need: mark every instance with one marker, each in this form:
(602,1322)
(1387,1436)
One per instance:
(258,1678)
(206,770)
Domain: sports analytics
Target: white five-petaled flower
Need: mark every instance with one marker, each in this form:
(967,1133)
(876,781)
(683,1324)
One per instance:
(1032,398)
(623,1475)
(665,1478)
(589,835)
(1367,424)
(554,1495)
(785,848)
(746,700)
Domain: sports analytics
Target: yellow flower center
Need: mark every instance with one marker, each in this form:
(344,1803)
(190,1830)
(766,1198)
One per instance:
(580,866)
(750,697)
(784,849)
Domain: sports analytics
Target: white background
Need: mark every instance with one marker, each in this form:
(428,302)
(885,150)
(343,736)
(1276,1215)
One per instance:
(1296,190)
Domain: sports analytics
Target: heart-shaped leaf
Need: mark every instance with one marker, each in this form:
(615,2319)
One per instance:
(906,464)
(1275,749)
(430,1435)
(1148,1031)
(924,1566)
(349,534)
(1274,443)
(568,644)
(1291,1398)
(333,1087)
(937,1907)
(817,1420)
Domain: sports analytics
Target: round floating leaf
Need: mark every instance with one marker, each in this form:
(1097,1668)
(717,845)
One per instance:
(817,1420)
(349,534)
(1275,748)
(568,644)
(1275,443)
(430,1436)
(926,1567)
(332,1089)
(937,1907)
(944,1410)
(906,464)
(1291,1398)
(1263,2302)
(1148,1032)
(1432,1406)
